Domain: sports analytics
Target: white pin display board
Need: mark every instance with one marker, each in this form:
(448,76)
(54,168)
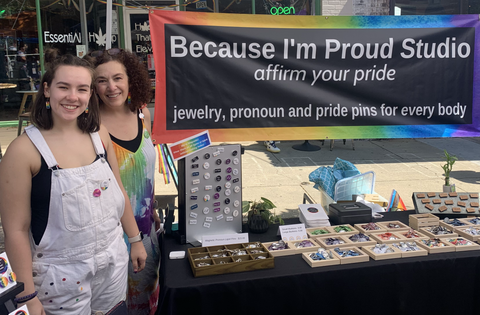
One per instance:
(210,199)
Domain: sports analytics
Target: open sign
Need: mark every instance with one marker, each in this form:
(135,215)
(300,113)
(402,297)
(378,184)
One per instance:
(282,10)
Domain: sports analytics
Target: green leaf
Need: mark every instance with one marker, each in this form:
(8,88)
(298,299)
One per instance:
(268,204)
(245,206)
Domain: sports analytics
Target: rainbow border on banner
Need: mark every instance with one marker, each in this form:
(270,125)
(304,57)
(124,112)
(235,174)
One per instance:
(159,18)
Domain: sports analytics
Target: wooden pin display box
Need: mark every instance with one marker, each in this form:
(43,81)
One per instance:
(324,228)
(402,227)
(359,227)
(408,239)
(229,264)
(395,254)
(320,263)
(469,220)
(417,221)
(420,252)
(433,250)
(378,238)
(461,248)
(427,232)
(362,243)
(462,232)
(332,229)
(454,228)
(353,259)
(281,252)
(292,249)
(322,241)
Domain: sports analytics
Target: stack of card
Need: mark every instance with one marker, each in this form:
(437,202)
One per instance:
(313,216)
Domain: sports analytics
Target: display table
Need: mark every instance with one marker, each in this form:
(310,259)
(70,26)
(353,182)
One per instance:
(435,284)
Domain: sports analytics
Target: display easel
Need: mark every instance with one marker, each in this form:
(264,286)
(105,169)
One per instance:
(7,299)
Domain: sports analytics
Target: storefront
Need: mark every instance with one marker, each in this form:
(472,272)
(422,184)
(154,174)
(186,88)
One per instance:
(80,26)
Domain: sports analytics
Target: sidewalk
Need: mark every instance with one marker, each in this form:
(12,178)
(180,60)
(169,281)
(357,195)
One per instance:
(407,165)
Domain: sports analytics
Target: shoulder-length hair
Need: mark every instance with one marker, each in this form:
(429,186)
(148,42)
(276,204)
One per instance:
(42,117)
(139,85)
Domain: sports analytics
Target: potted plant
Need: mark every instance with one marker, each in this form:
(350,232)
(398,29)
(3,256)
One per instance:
(259,215)
(447,168)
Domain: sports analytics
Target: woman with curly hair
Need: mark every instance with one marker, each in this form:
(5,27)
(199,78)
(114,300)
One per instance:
(124,89)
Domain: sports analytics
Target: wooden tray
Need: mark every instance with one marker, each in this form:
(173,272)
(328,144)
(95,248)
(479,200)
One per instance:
(320,263)
(420,252)
(396,253)
(228,264)
(354,259)
(368,232)
(461,232)
(433,250)
(376,237)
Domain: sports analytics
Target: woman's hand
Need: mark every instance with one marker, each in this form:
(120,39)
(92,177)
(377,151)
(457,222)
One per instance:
(138,255)
(35,307)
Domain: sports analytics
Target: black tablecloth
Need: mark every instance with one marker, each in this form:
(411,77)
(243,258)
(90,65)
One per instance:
(434,284)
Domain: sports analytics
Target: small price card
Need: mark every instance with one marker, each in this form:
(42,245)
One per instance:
(224,239)
(293,232)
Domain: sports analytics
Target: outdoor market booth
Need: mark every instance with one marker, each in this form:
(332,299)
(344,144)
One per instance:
(297,78)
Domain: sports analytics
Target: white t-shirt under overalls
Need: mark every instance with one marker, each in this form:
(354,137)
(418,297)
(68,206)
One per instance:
(80,264)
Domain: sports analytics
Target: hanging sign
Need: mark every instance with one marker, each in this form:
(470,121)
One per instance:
(247,77)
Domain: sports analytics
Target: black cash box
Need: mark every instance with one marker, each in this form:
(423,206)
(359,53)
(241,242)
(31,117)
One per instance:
(349,213)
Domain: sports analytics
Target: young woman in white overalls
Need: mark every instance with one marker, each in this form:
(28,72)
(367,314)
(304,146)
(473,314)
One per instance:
(63,207)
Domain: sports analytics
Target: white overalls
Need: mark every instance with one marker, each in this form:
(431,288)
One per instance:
(80,265)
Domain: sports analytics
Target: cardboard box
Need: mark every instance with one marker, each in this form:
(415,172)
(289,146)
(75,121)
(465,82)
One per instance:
(433,250)
(369,251)
(380,240)
(461,232)
(230,263)
(311,230)
(376,198)
(332,229)
(358,226)
(353,259)
(427,232)
(420,252)
(344,238)
(461,248)
(403,227)
(417,221)
(320,263)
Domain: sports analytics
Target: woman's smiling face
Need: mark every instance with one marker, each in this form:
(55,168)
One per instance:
(69,92)
(112,83)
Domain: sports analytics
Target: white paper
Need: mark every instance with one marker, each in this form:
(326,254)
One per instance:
(293,232)
(224,239)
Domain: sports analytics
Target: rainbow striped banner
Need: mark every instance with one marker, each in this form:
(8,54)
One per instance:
(256,77)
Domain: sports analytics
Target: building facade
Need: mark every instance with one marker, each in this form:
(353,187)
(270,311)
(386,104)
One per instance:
(79,26)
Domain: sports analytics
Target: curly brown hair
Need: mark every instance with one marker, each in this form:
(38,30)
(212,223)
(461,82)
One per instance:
(139,85)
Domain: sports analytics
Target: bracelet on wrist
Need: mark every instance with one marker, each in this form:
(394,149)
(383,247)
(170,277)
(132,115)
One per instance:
(26,298)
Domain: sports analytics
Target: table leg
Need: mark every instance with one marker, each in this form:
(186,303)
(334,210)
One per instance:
(22,105)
